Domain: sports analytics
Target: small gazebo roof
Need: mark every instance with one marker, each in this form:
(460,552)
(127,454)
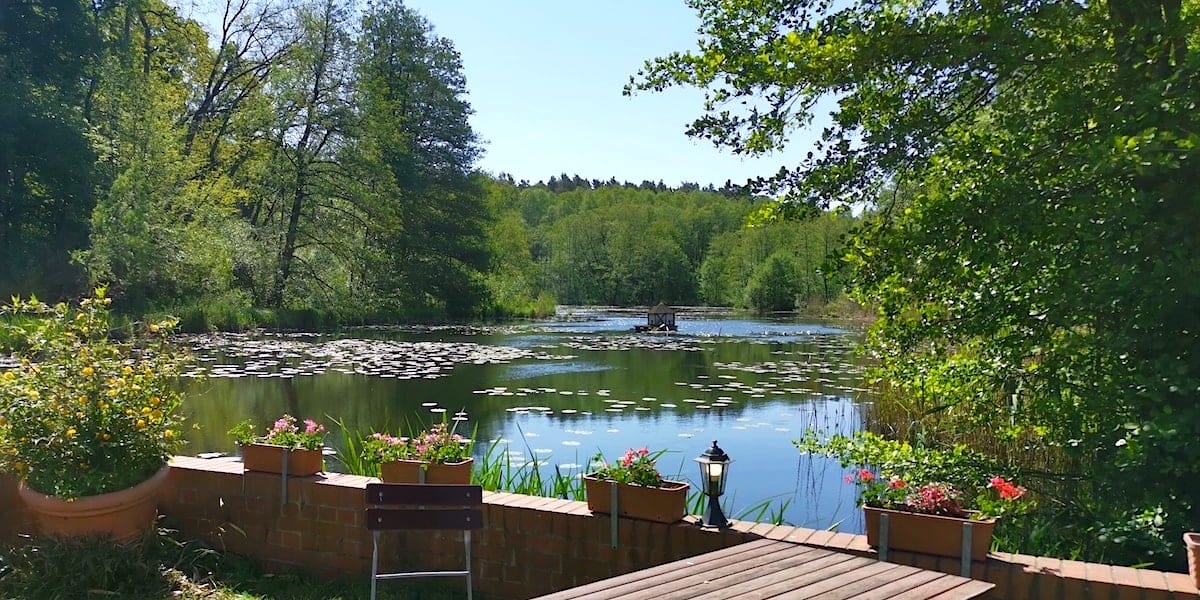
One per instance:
(662,309)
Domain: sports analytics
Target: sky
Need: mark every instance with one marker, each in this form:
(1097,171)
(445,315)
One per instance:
(545,79)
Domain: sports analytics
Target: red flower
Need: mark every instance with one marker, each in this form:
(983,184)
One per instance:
(865,475)
(896,483)
(1008,490)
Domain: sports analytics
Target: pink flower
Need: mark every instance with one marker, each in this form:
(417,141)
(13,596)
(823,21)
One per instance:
(311,427)
(865,475)
(643,451)
(848,479)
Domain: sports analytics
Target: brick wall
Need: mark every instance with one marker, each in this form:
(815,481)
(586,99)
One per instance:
(531,546)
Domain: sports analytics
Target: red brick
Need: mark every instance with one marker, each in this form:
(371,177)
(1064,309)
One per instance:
(1153,584)
(1181,584)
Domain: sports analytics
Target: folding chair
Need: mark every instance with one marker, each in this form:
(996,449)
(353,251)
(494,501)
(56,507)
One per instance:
(399,506)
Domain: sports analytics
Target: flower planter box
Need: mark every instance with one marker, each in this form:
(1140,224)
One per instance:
(1191,540)
(124,515)
(268,458)
(929,534)
(409,471)
(665,504)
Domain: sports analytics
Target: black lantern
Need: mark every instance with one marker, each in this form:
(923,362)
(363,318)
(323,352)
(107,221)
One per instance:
(714,468)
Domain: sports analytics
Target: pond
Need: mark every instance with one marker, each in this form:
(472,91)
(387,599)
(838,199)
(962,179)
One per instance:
(562,391)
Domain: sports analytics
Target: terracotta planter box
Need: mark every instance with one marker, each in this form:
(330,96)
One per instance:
(124,515)
(409,471)
(665,504)
(1192,541)
(929,534)
(268,458)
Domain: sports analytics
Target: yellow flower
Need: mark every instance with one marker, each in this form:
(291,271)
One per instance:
(112,392)
(34,394)
(83,351)
(145,410)
(141,423)
(154,328)
(156,415)
(83,400)
(154,400)
(71,432)
(9,376)
(105,436)
(168,434)
(88,371)
(3,421)
(128,370)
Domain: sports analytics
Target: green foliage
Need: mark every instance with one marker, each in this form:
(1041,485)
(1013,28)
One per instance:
(84,414)
(898,475)
(1030,175)
(47,51)
(162,566)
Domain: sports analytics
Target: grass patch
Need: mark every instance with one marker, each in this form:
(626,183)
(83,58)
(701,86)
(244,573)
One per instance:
(164,567)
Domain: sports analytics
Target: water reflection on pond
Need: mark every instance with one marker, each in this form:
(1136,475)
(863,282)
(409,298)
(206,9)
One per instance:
(563,391)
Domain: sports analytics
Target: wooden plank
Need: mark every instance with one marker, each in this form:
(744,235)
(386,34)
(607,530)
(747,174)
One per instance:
(796,590)
(862,585)
(732,575)
(888,590)
(424,494)
(424,518)
(932,588)
(828,565)
(732,553)
(633,585)
(969,589)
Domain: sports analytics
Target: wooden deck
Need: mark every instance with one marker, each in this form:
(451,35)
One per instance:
(773,569)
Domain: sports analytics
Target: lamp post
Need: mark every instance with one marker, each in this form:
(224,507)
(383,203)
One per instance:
(714,468)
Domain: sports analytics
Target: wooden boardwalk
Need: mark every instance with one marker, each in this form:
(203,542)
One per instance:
(773,569)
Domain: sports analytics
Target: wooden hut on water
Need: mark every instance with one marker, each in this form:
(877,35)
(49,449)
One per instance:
(658,319)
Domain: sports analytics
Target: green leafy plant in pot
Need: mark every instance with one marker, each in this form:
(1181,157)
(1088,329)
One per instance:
(86,415)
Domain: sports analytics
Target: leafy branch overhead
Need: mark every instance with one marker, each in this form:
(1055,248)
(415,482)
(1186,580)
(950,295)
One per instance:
(1028,174)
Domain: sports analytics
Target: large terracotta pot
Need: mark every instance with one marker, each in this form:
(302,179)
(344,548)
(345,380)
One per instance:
(1192,541)
(268,458)
(409,471)
(665,504)
(125,515)
(929,534)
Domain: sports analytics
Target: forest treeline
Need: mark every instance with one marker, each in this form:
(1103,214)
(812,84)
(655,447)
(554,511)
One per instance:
(626,244)
(317,161)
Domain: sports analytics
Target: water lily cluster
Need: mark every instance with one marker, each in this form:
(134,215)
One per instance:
(85,413)
(439,444)
(286,431)
(635,466)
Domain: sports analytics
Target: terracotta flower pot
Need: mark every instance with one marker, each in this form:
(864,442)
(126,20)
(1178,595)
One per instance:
(409,471)
(268,458)
(1192,541)
(665,504)
(929,534)
(125,515)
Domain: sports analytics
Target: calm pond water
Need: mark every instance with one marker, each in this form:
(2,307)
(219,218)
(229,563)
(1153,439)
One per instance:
(564,390)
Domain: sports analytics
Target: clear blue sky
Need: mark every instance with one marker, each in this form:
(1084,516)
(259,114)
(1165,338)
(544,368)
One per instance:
(545,80)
